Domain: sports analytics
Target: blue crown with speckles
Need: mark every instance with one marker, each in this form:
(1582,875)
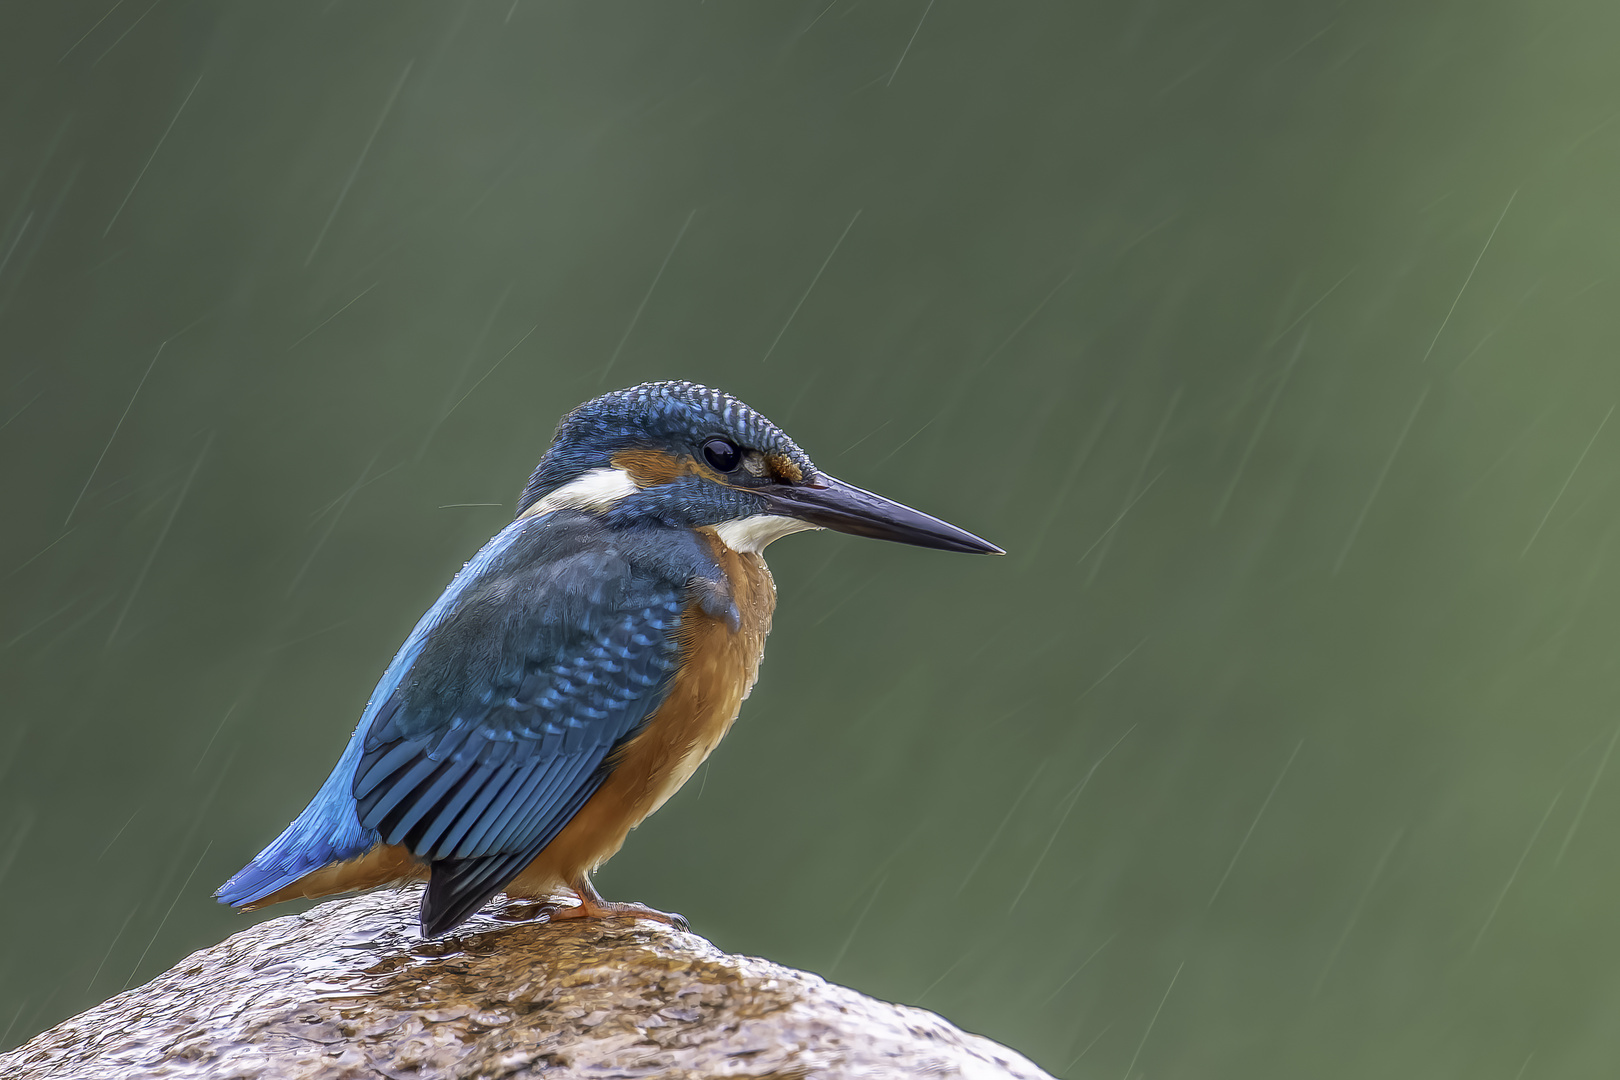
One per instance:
(672,416)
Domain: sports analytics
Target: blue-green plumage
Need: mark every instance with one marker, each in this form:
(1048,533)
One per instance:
(506,708)
(492,726)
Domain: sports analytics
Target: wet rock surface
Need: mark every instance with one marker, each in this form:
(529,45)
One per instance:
(350,989)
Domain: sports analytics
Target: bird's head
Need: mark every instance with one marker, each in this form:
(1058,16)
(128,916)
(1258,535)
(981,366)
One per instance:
(683,455)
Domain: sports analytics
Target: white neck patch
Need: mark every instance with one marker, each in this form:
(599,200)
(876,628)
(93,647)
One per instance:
(599,489)
(602,489)
(751,534)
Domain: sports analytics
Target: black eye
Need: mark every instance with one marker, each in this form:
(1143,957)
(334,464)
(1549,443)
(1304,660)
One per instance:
(722,454)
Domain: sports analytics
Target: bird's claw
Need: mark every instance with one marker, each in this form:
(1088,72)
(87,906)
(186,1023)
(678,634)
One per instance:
(593,908)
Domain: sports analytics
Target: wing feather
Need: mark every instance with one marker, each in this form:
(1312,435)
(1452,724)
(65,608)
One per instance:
(502,783)
(382,768)
(402,824)
(456,803)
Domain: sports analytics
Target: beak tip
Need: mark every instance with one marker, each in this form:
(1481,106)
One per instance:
(827,502)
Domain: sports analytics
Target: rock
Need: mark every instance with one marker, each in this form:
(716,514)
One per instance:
(349,989)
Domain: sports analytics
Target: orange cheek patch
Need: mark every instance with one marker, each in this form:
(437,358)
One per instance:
(651,467)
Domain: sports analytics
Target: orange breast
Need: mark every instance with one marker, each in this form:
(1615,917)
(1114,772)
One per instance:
(718,669)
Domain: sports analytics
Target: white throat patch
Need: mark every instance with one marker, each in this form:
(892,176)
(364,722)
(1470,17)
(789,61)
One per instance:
(751,534)
(598,489)
(602,489)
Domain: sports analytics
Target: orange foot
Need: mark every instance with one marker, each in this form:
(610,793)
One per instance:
(592,906)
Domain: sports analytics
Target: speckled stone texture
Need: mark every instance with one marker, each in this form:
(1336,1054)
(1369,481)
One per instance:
(350,990)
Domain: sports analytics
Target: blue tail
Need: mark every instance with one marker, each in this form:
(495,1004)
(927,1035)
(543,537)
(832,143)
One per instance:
(326,832)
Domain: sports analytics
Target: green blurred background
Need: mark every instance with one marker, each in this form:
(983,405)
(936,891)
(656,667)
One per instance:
(1274,341)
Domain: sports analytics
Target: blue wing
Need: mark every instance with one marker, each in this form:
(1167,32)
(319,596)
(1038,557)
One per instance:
(505,727)
(497,718)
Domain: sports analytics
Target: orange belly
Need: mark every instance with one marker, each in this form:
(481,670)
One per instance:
(718,669)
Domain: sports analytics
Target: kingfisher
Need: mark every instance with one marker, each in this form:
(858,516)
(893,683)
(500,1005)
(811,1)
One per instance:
(579,668)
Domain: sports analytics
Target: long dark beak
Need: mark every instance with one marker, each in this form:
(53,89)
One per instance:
(832,504)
